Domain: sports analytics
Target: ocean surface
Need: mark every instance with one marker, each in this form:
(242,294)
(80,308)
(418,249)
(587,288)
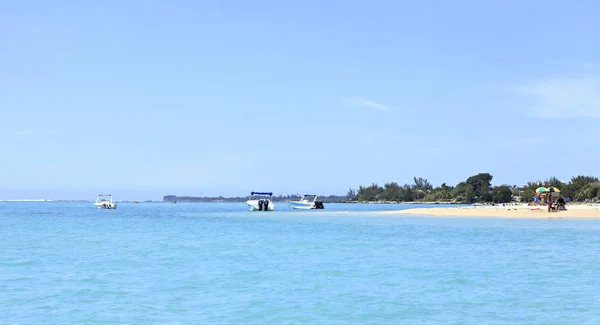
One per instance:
(216,263)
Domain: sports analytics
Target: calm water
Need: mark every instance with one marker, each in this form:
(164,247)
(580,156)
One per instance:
(150,263)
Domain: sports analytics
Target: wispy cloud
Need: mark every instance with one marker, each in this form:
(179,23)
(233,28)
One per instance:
(531,140)
(26,132)
(29,132)
(573,96)
(365,103)
(575,64)
(55,169)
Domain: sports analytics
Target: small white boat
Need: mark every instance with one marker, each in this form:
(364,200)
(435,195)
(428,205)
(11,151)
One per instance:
(104,201)
(305,203)
(260,201)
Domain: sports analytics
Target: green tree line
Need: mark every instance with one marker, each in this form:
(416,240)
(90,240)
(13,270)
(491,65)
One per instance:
(477,188)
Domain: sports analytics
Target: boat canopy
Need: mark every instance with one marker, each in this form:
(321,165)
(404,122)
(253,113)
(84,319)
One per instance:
(104,195)
(262,193)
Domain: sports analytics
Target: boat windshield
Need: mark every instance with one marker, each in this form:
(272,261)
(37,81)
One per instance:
(103,198)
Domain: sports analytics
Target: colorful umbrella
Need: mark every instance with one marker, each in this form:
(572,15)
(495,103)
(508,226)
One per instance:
(553,189)
(542,190)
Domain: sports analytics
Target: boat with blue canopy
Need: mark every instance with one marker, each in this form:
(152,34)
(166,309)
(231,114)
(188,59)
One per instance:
(260,201)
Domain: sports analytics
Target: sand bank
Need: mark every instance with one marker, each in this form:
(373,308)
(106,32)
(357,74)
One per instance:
(524,212)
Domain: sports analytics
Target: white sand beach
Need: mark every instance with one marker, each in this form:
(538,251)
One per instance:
(517,211)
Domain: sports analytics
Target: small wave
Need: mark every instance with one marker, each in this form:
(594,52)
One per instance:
(19,263)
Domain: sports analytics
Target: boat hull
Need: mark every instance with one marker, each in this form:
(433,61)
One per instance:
(254,206)
(302,205)
(106,206)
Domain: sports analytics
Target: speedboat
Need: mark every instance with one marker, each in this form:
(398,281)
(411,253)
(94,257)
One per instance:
(104,201)
(260,201)
(305,203)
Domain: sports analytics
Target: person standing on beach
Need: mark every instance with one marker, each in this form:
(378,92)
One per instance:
(549,203)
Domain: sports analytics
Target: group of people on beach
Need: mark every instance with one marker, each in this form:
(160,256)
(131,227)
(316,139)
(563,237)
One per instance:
(559,204)
(553,205)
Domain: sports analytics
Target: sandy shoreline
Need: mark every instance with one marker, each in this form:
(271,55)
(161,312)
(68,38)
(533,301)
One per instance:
(522,212)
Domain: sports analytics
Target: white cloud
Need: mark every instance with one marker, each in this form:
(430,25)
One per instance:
(564,96)
(361,102)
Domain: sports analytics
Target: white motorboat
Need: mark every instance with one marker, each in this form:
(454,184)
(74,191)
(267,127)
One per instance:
(104,201)
(305,203)
(260,201)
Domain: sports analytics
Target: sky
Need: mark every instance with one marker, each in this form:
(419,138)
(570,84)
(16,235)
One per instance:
(206,98)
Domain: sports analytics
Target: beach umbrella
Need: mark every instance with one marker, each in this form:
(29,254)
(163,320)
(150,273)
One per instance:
(541,190)
(553,189)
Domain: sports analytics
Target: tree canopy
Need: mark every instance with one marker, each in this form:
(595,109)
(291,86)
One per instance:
(477,188)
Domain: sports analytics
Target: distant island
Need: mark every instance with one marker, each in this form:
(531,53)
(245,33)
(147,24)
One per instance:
(276,198)
(475,189)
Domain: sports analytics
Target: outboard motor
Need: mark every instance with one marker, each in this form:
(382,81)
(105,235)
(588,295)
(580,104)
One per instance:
(266,205)
(260,205)
(319,205)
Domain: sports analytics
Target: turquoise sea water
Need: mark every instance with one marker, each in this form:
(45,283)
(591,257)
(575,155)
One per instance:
(155,263)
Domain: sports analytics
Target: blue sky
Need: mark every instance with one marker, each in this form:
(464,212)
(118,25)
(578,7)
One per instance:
(186,97)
